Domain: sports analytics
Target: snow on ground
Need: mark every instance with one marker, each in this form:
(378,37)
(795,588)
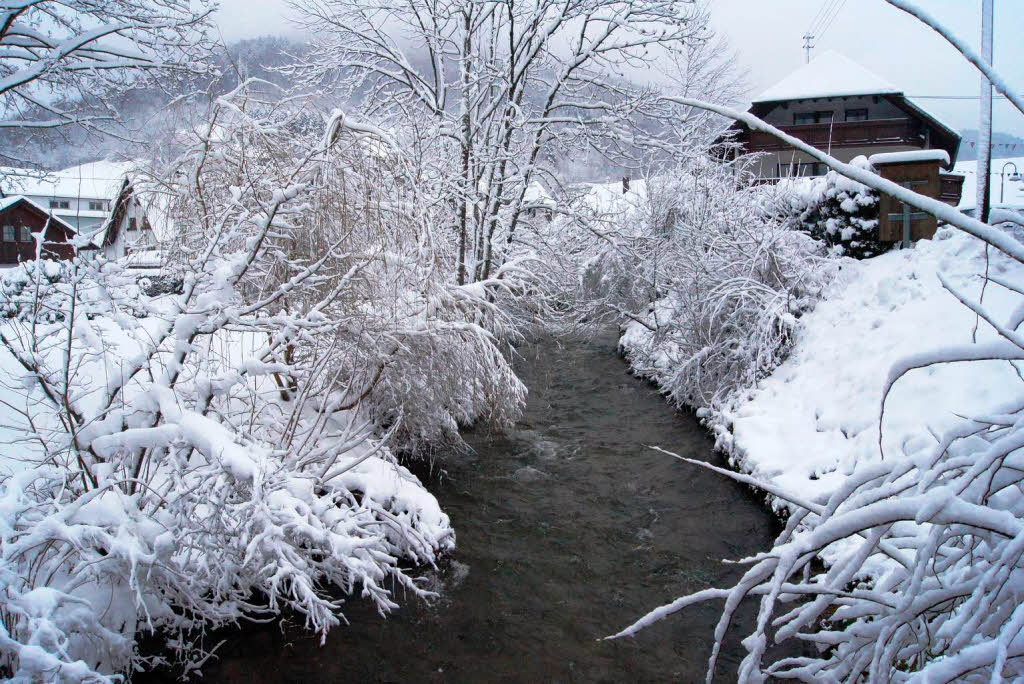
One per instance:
(1012,194)
(816,416)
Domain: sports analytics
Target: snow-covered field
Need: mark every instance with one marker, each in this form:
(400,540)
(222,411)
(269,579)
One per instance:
(1002,191)
(806,425)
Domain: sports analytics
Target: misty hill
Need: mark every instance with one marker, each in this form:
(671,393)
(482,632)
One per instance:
(1003,145)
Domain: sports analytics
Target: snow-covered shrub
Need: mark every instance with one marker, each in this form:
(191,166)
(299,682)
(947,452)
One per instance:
(27,290)
(841,213)
(226,456)
(721,283)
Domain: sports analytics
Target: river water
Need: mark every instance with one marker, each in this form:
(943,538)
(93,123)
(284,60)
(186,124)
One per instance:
(569,528)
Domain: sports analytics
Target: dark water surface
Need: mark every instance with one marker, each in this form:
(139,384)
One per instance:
(569,529)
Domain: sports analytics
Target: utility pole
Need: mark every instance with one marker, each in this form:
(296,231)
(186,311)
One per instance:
(808,37)
(985,128)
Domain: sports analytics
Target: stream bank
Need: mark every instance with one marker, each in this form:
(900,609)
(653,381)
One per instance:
(569,528)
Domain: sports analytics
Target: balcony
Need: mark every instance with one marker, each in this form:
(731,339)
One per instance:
(843,134)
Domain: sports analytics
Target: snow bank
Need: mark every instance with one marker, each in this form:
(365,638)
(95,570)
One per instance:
(816,416)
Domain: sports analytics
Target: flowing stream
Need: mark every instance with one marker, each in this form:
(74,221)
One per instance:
(569,528)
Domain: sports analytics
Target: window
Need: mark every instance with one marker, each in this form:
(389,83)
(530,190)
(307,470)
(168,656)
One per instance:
(26,234)
(60,204)
(806,118)
(133,224)
(801,169)
(859,114)
(8,233)
(97,205)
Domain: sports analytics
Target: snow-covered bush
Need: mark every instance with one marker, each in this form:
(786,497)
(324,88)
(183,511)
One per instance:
(24,290)
(841,213)
(226,456)
(721,283)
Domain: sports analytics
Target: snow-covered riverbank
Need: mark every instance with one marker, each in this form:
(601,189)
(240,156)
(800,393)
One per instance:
(807,424)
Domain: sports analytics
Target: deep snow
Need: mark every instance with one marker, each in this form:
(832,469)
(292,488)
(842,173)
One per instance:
(805,426)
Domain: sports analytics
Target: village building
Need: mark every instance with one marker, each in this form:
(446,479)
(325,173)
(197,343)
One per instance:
(96,199)
(20,217)
(538,203)
(842,108)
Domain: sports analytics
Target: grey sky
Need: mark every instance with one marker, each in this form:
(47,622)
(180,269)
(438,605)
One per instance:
(767,37)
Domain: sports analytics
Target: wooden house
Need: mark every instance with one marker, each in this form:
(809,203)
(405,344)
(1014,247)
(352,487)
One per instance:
(20,217)
(841,108)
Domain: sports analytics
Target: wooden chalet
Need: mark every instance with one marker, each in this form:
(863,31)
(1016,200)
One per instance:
(840,107)
(20,217)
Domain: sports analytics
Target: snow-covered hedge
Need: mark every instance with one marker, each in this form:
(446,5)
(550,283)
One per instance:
(839,212)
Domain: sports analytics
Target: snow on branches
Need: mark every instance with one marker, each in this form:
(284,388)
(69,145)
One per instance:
(490,92)
(220,451)
(712,283)
(64,60)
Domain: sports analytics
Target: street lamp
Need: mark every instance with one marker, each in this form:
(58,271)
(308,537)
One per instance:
(1015,176)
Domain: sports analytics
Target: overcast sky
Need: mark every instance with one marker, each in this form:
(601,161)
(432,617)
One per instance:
(767,38)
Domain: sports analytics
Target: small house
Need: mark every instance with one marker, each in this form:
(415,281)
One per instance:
(537,202)
(20,217)
(96,199)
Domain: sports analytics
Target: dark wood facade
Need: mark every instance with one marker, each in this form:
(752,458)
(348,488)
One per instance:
(18,220)
(893,216)
(900,125)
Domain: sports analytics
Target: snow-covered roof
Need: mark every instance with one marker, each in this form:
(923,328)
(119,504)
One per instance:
(95,180)
(11,200)
(147,258)
(537,195)
(941,156)
(830,74)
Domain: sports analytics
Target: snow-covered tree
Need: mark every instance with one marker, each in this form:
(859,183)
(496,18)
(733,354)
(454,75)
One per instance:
(839,212)
(221,452)
(64,61)
(486,92)
(708,281)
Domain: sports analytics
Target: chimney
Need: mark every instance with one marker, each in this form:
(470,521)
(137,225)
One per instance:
(625,184)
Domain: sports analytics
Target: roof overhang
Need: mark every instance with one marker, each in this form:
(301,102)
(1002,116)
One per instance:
(21,199)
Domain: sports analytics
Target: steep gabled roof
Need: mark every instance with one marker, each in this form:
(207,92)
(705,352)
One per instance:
(536,195)
(828,75)
(94,180)
(12,200)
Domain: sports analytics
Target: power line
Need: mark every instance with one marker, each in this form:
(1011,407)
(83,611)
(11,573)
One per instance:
(831,20)
(817,17)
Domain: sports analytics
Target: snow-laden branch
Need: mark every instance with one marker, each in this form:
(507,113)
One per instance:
(964,49)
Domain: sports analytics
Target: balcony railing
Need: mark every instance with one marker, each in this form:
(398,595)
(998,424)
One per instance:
(843,134)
